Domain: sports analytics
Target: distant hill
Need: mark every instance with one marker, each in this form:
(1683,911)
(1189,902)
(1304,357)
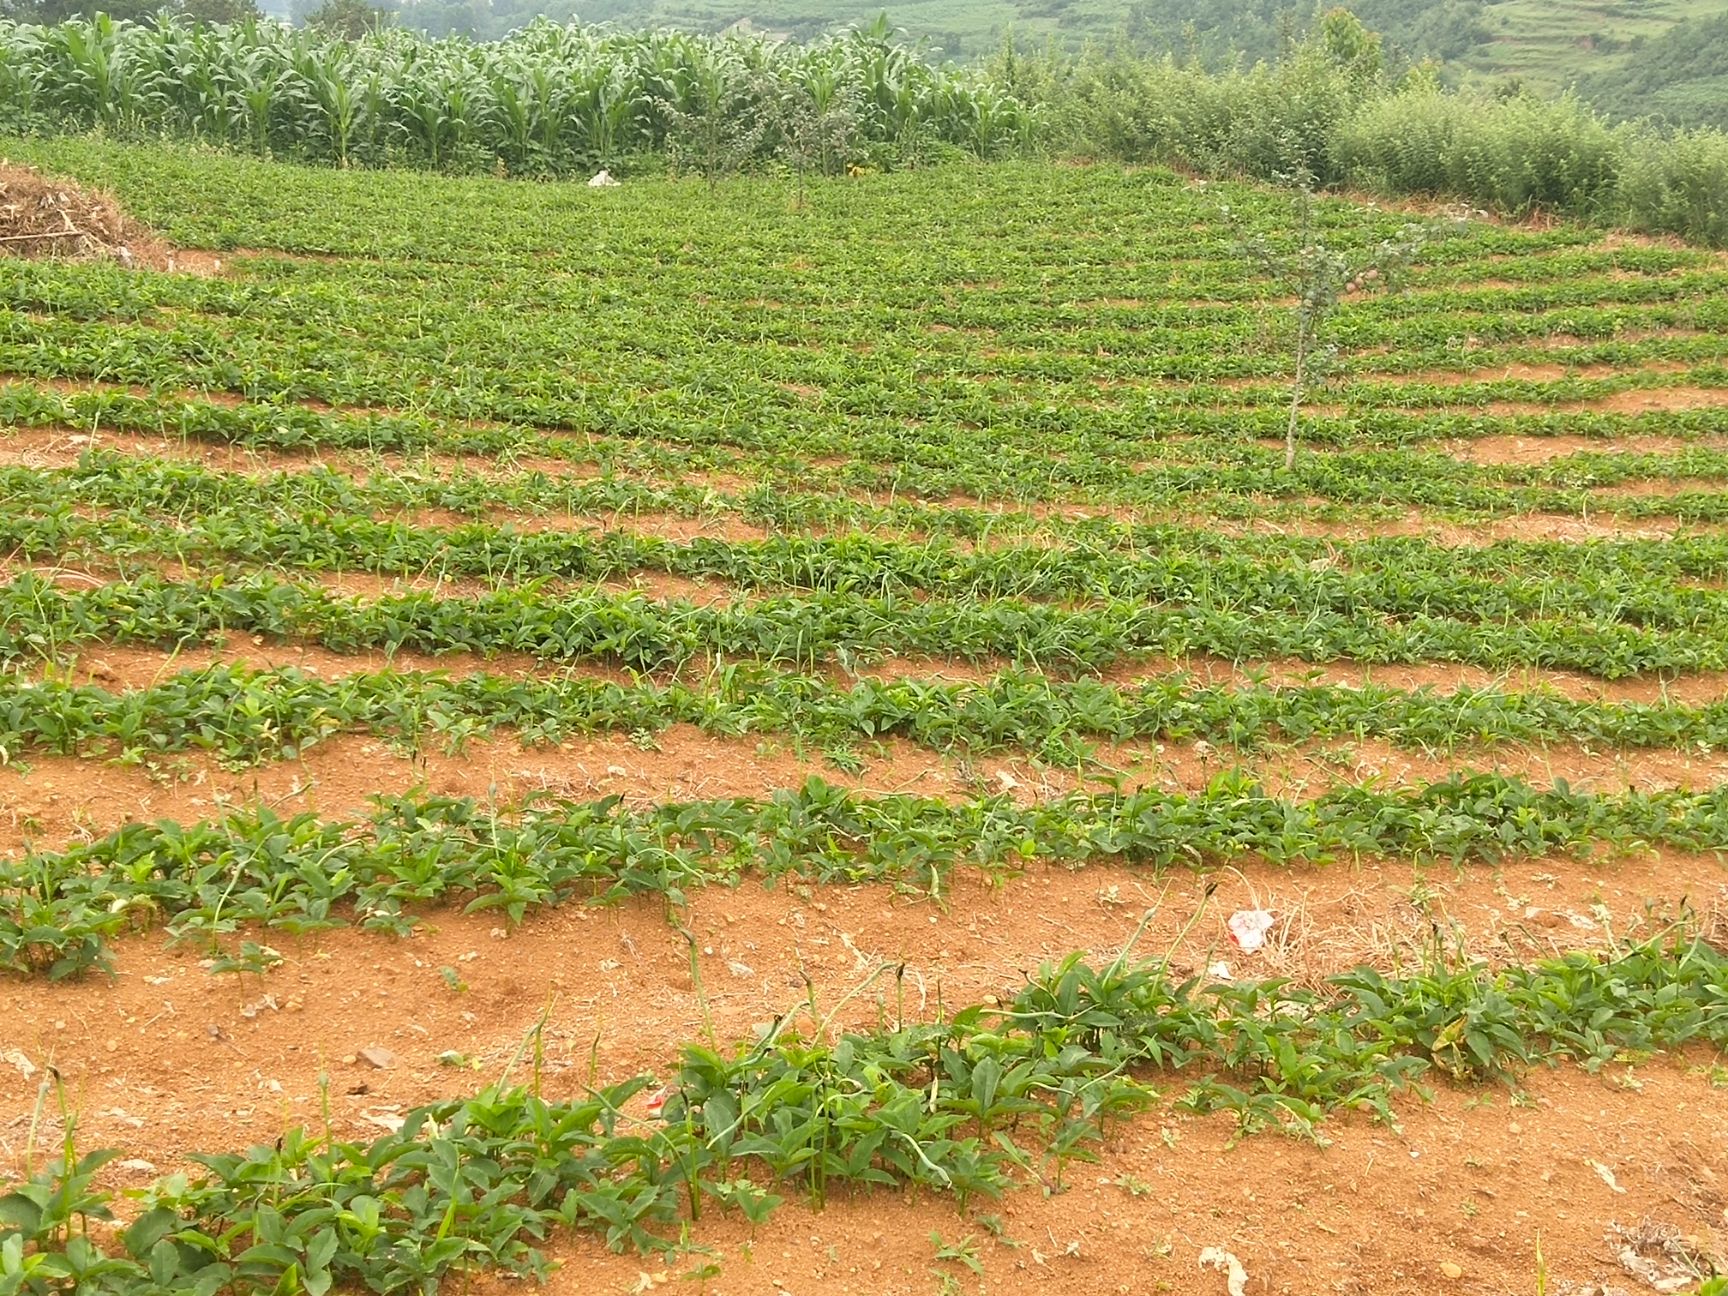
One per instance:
(1632,57)
(1619,54)
(1681,75)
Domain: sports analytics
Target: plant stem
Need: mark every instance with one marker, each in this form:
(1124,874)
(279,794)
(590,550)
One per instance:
(1296,390)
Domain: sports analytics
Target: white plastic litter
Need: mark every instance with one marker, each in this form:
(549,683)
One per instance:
(1605,1175)
(1235,1276)
(1219,971)
(1248,928)
(603,180)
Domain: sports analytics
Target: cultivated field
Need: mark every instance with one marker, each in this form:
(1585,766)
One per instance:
(737,698)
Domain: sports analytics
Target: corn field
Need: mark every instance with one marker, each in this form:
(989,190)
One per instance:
(548,100)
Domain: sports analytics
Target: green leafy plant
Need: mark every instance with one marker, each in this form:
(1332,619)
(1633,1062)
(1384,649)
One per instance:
(965,1251)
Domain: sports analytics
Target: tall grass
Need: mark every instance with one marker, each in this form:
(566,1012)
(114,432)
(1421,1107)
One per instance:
(1514,156)
(1678,186)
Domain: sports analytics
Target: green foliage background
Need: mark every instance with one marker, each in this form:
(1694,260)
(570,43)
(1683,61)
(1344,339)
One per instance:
(561,101)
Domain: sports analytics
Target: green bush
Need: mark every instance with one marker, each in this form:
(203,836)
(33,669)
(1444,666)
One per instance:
(1343,122)
(1267,121)
(1678,186)
(1515,155)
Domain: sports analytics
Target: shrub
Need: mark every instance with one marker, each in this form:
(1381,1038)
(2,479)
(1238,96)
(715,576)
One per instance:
(1678,186)
(1514,155)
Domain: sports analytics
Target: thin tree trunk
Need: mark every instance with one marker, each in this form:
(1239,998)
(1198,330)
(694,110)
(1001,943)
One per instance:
(1296,395)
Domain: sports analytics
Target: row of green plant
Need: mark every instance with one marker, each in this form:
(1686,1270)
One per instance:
(362,515)
(1172,567)
(856,348)
(964,1107)
(913,497)
(1418,389)
(1199,279)
(1208,290)
(1206,261)
(344,333)
(781,382)
(873,450)
(245,716)
(339,332)
(1077,324)
(923,452)
(40,621)
(60,911)
(925,441)
(1098,474)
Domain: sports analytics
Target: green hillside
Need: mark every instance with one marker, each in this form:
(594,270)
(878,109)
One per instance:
(1681,75)
(1550,44)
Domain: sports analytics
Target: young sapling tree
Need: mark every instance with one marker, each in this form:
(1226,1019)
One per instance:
(1316,276)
